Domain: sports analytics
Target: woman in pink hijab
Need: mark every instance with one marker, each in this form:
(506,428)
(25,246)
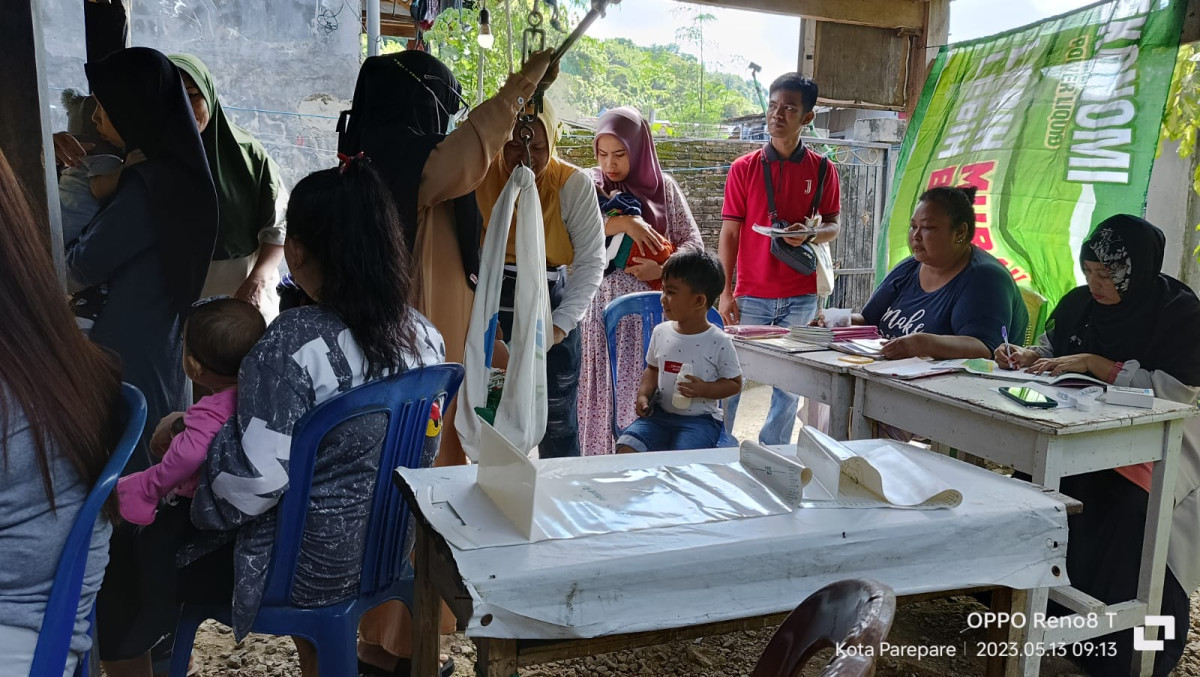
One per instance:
(648,207)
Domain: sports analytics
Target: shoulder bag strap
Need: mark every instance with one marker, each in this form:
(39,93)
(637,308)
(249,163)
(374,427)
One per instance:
(822,170)
(772,213)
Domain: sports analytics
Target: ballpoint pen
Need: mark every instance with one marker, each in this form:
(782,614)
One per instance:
(1007,348)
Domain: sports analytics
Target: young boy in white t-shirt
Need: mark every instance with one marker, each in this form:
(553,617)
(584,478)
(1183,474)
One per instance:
(690,363)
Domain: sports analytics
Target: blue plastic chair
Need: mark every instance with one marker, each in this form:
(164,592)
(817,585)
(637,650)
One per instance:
(648,306)
(58,625)
(386,574)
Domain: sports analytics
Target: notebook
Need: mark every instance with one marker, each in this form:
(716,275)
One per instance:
(990,369)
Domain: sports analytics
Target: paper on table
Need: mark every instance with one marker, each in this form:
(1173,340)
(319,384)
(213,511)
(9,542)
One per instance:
(914,367)
(785,476)
(871,476)
(787,344)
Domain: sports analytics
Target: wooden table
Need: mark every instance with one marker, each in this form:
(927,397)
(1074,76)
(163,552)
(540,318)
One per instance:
(555,599)
(967,412)
(819,375)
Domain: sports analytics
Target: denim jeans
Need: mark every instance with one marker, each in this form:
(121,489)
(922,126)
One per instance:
(795,311)
(562,374)
(663,431)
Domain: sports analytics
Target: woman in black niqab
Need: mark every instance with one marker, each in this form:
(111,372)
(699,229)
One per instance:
(403,103)
(150,245)
(1132,326)
(143,95)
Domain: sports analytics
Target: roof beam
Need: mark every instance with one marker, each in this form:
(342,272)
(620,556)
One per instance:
(882,13)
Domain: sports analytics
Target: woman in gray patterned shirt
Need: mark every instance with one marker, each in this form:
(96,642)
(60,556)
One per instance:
(345,250)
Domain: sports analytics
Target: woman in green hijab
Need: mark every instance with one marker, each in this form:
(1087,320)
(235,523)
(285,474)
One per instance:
(252,198)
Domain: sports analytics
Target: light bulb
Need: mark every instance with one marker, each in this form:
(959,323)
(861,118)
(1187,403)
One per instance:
(485,37)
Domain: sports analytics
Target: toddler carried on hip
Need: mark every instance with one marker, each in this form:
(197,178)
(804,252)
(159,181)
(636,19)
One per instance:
(216,336)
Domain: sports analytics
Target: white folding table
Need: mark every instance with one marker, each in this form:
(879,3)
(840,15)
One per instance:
(967,412)
(819,375)
(524,603)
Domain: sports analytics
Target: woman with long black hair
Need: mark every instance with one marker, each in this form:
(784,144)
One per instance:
(59,421)
(345,249)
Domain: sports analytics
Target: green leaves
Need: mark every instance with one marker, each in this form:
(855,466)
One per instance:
(1181,119)
(597,74)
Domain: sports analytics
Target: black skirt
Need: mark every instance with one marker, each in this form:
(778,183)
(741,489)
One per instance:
(137,608)
(1104,557)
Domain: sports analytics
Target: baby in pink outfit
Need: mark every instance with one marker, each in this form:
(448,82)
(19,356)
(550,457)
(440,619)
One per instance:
(216,336)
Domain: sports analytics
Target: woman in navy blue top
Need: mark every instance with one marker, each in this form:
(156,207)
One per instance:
(950,298)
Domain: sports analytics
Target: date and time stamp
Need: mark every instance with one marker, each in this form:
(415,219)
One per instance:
(1096,648)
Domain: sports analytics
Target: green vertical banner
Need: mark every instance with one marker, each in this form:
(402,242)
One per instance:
(1055,123)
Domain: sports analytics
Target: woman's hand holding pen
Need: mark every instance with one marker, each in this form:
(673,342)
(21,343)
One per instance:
(1009,356)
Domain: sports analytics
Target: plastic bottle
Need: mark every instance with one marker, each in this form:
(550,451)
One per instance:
(677,399)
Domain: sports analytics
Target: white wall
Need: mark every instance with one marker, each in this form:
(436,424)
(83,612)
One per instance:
(1173,206)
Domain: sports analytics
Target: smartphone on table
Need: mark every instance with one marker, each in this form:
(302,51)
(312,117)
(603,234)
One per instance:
(1029,398)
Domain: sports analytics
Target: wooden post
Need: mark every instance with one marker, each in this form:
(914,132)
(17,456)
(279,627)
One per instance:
(496,658)
(427,608)
(925,49)
(806,64)
(25,135)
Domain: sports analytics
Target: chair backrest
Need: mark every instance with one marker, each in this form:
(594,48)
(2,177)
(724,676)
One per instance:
(1036,304)
(408,399)
(856,612)
(58,624)
(648,306)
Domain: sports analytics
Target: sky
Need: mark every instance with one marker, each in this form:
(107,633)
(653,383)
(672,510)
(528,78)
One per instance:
(738,37)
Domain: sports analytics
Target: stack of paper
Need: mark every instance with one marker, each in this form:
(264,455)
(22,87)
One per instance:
(867,347)
(825,335)
(756,331)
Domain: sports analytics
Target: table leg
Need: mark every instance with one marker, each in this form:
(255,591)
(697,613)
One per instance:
(427,608)
(1157,536)
(1009,601)
(496,657)
(861,427)
(1047,471)
(842,399)
(1034,603)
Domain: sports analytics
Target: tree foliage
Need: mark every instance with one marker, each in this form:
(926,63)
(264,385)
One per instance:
(596,74)
(1181,119)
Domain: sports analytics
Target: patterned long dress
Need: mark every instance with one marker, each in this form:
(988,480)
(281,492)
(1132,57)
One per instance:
(595,383)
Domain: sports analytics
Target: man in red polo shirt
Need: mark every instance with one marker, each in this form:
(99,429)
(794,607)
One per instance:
(768,291)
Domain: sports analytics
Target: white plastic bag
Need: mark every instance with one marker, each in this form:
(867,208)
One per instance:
(521,416)
(824,271)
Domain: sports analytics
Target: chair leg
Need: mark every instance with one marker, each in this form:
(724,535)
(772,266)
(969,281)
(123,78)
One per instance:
(185,637)
(338,654)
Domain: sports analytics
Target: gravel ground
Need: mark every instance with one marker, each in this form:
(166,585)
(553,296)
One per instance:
(940,622)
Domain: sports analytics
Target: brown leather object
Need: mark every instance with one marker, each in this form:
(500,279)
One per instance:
(856,612)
